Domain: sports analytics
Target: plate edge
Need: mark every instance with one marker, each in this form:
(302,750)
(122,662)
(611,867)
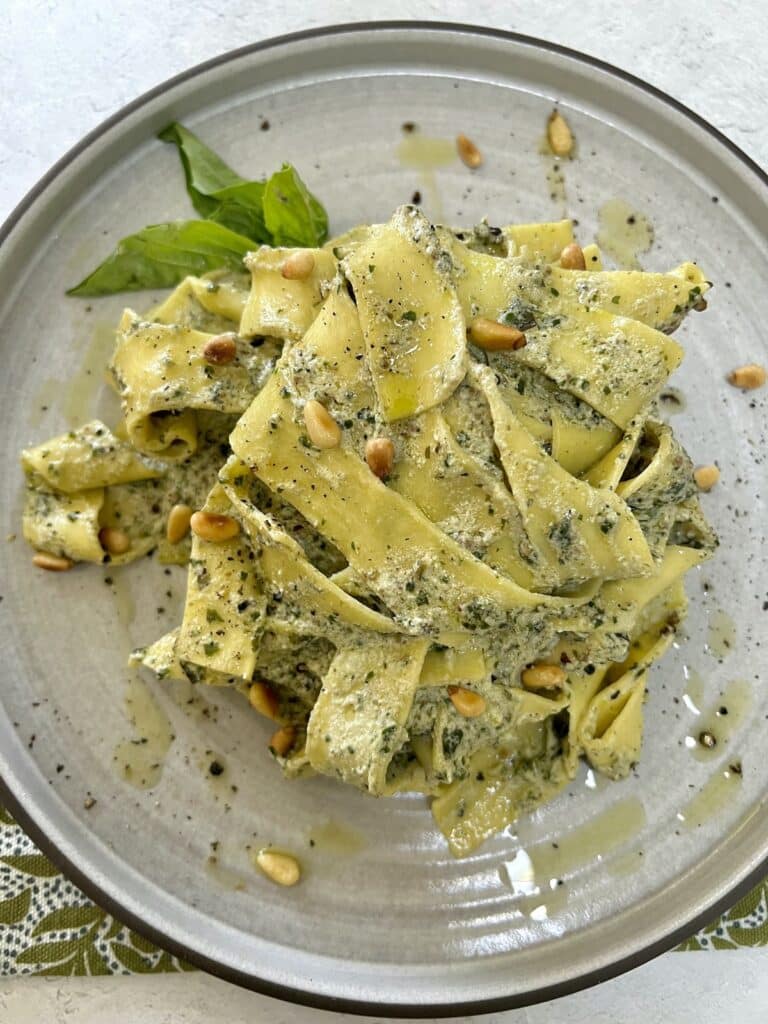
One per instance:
(47,846)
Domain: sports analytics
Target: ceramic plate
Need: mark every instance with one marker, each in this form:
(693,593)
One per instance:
(385,920)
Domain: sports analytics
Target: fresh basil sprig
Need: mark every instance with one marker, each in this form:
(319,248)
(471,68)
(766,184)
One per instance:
(239,215)
(163,254)
(291,213)
(216,191)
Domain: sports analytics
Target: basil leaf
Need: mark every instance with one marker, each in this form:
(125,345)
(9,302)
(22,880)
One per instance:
(240,208)
(204,171)
(216,191)
(238,214)
(292,214)
(163,254)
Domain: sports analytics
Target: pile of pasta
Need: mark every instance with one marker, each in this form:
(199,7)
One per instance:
(475,616)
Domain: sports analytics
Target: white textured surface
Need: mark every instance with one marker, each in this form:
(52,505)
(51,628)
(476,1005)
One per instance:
(66,65)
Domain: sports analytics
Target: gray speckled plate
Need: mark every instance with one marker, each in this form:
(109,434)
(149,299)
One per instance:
(384,919)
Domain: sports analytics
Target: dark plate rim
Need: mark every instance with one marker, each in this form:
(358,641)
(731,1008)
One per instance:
(112,905)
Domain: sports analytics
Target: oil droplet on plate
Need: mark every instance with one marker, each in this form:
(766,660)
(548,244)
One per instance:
(714,795)
(721,635)
(88,384)
(124,602)
(426,155)
(336,838)
(626,863)
(139,760)
(591,841)
(714,729)
(624,233)
(538,874)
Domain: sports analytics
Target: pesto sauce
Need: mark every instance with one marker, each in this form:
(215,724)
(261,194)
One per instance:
(510,752)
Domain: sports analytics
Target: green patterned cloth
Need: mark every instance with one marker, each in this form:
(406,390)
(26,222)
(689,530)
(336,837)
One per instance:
(48,926)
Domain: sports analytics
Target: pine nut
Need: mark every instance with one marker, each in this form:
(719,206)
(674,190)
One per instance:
(468,151)
(559,134)
(298,266)
(707,739)
(264,700)
(213,527)
(543,677)
(747,377)
(115,541)
(572,257)
(700,306)
(53,563)
(281,741)
(323,430)
(468,703)
(177,527)
(380,456)
(706,477)
(220,350)
(281,868)
(495,337)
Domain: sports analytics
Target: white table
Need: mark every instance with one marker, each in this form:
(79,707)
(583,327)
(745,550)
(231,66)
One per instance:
(65,65)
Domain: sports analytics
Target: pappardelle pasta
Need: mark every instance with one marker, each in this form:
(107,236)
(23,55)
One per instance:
(438,528)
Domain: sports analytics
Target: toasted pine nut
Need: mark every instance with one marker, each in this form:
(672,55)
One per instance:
(281,868)
(747,377)
(559,134)
(706,477)
(468,151)
(220,350)
(543,677)
(298,266)
(572,257)
(54,563)
(115,541)
(177,527)
(264,700)
(213,527)
(495,337)
(323,430)
(380,456)
(468,703)
(281,741)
